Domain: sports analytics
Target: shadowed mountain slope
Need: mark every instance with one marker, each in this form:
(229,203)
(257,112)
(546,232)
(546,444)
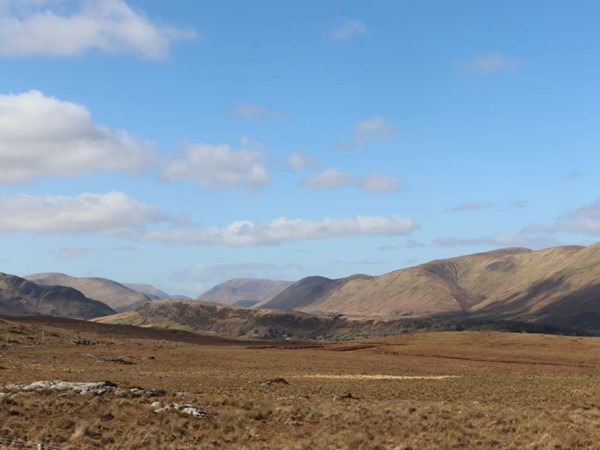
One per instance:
(21,297)
(558,286)
(245,292)
(115,295)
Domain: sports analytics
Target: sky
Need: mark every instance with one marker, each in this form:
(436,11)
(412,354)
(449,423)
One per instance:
(188,142)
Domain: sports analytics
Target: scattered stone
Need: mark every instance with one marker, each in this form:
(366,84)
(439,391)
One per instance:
(182,408)
(141,392)
(277,380)
(181,394)
(195,412)
(85,341)
(83,388)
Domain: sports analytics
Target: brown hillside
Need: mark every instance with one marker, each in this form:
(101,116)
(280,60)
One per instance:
(22,297)
(115,295)
(559,286)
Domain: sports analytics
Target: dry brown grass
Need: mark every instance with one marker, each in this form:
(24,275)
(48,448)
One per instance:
(507,391)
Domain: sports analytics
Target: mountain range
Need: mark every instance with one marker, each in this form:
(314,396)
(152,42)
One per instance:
(557,287)
(20,297)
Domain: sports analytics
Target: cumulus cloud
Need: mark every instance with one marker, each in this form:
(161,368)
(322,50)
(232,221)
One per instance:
(346,29)
(218,167)
(43,136)
(60,28)
(251,111)
(488,63)
(328,179)
(282,229)
(298,161)
(113,213)
(379,183)
(366,131)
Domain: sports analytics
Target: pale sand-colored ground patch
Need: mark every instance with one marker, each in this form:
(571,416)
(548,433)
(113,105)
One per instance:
(377,377)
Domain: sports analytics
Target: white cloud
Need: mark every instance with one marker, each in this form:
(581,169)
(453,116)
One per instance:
(378,183)
(251,111)
(62,29)
(582,220)
(43,136)
(297,161)
(328,179)
(333,178)
(218,166)
(282,229)
(111,213)
(492,62)
(366,131)
(347,29)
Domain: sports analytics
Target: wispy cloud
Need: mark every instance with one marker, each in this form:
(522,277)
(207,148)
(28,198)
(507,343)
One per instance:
(196,279)
(333,178)
(72,252)
(519,204)
(408,244)
(51,28)
(43,136)
(468,206)
(582,220)
(254,112)
(505,240)
(345,30)
(487,63)
(298,161)
(328,179)
(366,131)
(282,229)
(380,183)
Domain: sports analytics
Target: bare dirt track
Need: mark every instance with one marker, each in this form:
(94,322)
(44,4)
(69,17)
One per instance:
(420,391)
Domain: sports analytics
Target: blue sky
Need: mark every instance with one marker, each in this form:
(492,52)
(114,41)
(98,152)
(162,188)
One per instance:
(183,143)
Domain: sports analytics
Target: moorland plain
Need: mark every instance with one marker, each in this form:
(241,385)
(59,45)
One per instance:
(419,390)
